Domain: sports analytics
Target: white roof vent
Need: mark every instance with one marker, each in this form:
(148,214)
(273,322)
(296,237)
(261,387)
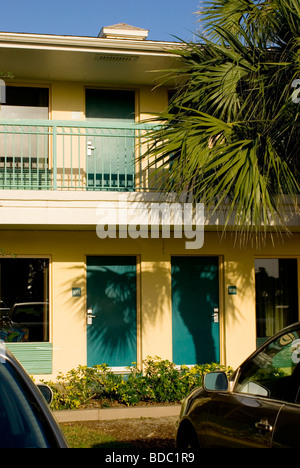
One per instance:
(123,31)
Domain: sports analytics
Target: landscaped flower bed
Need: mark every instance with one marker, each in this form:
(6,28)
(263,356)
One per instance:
(161,381)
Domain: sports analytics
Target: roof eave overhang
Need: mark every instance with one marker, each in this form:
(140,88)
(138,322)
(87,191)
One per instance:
(36,56)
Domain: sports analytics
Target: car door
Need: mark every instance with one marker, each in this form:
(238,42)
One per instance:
(241,421)
(287,428)
(262,404)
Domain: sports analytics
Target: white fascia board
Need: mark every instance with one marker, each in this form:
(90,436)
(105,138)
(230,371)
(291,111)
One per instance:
(86,44)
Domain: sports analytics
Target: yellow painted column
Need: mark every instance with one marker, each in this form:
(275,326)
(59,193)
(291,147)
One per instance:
(69,318)
(156,307)
(239,317)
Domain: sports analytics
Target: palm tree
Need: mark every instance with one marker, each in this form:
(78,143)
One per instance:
(230,134)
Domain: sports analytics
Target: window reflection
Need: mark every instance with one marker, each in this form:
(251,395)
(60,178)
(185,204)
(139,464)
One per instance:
(24,300)
(276,295)
(274,372)
(21,423)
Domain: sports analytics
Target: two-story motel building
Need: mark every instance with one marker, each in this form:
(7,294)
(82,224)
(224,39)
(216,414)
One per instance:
(71,126)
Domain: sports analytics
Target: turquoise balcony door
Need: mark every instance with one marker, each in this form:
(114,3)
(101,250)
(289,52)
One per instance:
(195,310)
(112,316)
(111,150)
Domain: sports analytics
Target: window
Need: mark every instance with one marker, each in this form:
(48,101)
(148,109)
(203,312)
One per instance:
(22,424)
(25,102)
(273,372)
(106,104)
(24,296)
(276,295)
(24,159)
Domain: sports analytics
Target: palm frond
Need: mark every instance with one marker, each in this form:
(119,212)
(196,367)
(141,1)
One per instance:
(230,134)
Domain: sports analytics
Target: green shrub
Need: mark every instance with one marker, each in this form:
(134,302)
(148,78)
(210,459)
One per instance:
(160,382)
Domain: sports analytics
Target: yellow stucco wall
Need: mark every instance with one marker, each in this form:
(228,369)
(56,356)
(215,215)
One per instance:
(68,100)
(68,250)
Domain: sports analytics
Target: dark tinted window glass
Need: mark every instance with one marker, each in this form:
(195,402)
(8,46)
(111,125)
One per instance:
(21,423)
(276,295)
(110,104)
(27,96)
(24,289)
(274,371)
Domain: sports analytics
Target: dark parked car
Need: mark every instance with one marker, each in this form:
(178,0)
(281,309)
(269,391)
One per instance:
(258,406)
(25,419)
(25,322)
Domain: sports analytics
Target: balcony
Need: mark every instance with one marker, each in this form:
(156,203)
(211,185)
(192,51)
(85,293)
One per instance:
(73,155)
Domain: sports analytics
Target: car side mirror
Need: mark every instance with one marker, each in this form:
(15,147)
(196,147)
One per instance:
(46,392)
(215,382)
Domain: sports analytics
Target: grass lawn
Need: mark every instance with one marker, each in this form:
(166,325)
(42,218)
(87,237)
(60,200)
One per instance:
(80,436)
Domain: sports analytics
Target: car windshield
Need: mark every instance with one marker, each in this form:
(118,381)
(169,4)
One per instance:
(20,422)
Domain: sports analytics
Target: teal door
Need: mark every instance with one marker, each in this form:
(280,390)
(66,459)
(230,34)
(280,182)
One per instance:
(111,301)
(111,150)
(195,310)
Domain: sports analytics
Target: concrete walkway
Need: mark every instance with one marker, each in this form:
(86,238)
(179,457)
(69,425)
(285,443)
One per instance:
(110,414)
